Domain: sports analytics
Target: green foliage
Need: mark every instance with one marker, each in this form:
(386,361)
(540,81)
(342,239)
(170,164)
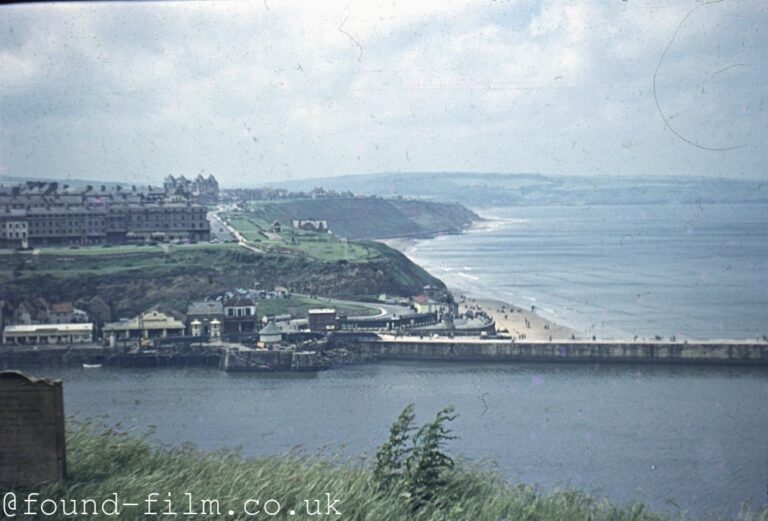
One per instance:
(102,462)
(368,217)
(391,457)
(298,305)
(427,465)
(417,470)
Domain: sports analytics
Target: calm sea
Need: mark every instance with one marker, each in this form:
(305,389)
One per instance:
(687,438)
(695,271)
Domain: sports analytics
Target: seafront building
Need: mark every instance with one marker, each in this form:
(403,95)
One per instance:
(145,326)
(46,334)
(270,335)
(204,318)
(239,318)
(322,320)
(203,189)
(46,214)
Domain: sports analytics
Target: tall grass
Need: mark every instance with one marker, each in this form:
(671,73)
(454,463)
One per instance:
(102,462)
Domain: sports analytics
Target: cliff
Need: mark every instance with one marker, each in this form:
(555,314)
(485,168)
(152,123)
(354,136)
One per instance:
(131,281)
(370,217)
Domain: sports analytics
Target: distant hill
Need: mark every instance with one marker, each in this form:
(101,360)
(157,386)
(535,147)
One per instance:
(479,190)
(370,217)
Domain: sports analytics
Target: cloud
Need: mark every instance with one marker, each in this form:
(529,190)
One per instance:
(255,92)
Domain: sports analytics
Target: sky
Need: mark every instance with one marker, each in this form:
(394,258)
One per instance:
(258,92)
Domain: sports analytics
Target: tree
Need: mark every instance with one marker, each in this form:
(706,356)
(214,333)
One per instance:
(427,463)
(391,457)
(416,470)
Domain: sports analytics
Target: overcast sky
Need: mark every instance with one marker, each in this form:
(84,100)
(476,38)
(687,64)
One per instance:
(263,91)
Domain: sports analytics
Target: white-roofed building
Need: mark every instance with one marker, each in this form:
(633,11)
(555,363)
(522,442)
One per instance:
(41,334)
(270,334)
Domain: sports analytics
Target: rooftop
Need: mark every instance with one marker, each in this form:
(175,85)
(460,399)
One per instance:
(148,320)
(270,329)
(209,307)
(237,302)
(49,328)
(321,311)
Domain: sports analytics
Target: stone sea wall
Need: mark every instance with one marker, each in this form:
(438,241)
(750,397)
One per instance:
(737,353)
(273,360)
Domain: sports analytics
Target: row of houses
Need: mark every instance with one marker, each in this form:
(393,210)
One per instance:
(36,321)
(241,195)
(231,317)
(44,214)
(38,310)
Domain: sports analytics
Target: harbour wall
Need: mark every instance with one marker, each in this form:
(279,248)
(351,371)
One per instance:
(725,353)
(369,347)
(235,360)
(42,356)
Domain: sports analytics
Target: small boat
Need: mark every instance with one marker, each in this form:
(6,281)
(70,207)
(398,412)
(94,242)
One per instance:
(91,366)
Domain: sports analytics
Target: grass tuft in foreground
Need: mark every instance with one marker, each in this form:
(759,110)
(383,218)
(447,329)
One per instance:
(104,462)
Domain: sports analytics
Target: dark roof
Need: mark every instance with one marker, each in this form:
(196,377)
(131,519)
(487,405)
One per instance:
(239,302)
(211,307)
(63,307)
(171,312)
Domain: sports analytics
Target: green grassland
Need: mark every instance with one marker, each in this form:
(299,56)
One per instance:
(369,217)
(298,305)
(97,261)
(125,249)
(322,246)
(104,462)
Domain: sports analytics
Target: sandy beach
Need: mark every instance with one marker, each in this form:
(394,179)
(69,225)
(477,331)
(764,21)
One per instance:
(521,323)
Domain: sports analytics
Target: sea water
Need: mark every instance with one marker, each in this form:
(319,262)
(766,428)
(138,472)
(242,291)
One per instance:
(690,271)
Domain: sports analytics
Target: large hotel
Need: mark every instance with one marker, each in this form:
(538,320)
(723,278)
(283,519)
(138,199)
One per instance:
(39,213)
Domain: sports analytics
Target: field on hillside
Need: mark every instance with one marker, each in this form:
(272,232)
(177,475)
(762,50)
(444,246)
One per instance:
(368,217)
(323,246)
(298,305)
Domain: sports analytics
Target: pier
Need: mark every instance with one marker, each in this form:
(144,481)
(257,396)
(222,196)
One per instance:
(369,347)
(719,352)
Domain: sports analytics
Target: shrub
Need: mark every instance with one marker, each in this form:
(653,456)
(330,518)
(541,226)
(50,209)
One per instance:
(417,471)
(391,457)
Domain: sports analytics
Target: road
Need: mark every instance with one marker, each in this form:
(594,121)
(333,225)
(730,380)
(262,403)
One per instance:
(221,227)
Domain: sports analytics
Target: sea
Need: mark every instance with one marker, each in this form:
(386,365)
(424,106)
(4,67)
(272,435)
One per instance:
(690,271)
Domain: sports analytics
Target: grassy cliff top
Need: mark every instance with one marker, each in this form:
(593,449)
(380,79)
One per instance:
(131,279)
(102,463)
(368,217)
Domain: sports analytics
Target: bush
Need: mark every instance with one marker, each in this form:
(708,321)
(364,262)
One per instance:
(417,471)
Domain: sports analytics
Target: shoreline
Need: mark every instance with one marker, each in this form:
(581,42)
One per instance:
(528,322)
(514,320)
(520,322)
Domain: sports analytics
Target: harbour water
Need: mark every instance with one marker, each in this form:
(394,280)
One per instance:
(692,271)
(677,438)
